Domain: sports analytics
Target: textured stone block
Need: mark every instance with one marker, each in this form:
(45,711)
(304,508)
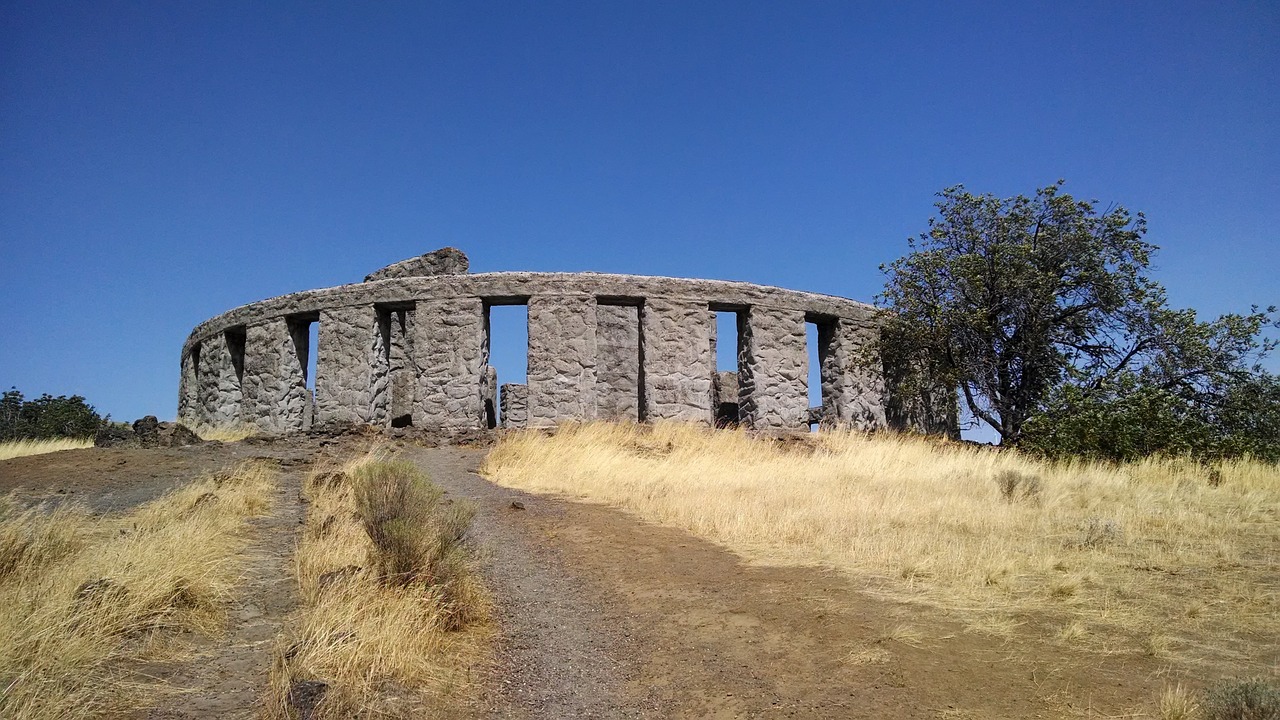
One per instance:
(349,344)
(514,399)
(445,261)
(562,360)
(853,392)
(773,377)
(188,395)
(618,362)
(678,362)
(275,388)
(218,391)
(450,348)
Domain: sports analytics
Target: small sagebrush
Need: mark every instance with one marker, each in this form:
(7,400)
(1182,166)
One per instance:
(417,534)
(1252,699)
(389,600)
(1016,485)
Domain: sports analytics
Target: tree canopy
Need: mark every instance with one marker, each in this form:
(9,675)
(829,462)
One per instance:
(46,417)
(1040,313)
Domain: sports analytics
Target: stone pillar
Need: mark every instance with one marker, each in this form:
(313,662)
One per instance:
(514,399)
(678,362)
(276,397)
(188,397)
(349,341)
(448,343)
(618,362)
(773,373)
(218,394)
(852,389)
(562,360)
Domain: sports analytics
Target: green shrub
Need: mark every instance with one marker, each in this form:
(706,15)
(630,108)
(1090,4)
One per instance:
(417,533)
(1253,699)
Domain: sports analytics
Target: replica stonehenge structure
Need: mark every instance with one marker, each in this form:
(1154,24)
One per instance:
(409,346)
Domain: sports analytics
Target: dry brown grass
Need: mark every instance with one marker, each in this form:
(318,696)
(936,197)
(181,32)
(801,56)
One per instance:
(391,629)
(22,448)
(83,598)
(229,433)
(1146,558)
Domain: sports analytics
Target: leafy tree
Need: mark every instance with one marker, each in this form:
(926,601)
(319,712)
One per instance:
(46,417)
(1042,307)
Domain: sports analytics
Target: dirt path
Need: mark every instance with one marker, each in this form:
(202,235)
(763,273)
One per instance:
(227,677)
(606,616)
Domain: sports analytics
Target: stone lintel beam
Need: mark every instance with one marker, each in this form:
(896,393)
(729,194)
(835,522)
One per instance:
(562,359)
(449,345)
(677,359)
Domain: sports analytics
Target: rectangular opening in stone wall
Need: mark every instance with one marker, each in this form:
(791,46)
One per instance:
(619,365)
(195,364)
(304,330)
(812,344)
(235,338)
(399,388)
(506,332)
(726,346)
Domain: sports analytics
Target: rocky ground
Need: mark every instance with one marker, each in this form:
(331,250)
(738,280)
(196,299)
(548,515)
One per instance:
(604,616)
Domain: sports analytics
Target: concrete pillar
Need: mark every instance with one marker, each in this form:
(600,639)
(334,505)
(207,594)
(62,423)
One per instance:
(449,343)
(349,342)
(562,360)
(852,388)
(677,360)
(276,398)
(188,397)
(514,399)
(773,373)
(618,362)
(218,391)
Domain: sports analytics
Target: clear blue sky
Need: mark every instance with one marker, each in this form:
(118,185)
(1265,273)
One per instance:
(161,163)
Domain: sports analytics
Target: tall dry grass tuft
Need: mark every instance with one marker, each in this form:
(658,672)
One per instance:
(83,597)
(1142,556)
(22,448)
(392,617)
(224,433)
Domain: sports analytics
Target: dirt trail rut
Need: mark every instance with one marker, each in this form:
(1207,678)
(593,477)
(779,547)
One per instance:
(227,678)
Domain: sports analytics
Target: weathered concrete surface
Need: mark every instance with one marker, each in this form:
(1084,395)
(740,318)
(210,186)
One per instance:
(445,261)
(449,346)
(345,362)
(853,393)
(562,360)
(515,405)
(618,362)
(219,395)
(774,370)
(724,390)
(188,388)
(677,360)
(489,396)
(397,328)
(275,390)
